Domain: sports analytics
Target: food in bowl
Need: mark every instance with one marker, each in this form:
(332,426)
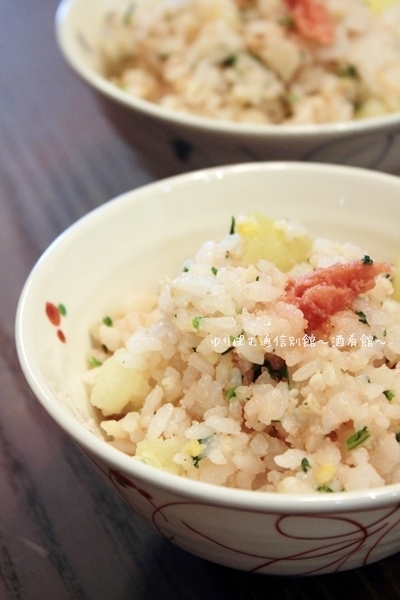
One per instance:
(270,362)
(127,245)
(257,61)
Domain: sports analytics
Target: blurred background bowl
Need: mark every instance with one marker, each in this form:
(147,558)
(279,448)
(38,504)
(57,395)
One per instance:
(189,142)
(183,141)
(131,242)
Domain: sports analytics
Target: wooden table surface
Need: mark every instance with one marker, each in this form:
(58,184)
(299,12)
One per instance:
(63,534)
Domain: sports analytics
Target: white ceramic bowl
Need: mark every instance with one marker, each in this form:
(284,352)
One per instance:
(167,137)
(130,243)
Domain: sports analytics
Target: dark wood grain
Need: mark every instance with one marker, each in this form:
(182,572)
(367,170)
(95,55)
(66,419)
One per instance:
(63,533)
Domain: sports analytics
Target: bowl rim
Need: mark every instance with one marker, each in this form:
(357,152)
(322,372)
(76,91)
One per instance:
(340,129)
(210,494)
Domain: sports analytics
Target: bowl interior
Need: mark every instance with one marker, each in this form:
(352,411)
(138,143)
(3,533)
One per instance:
(131,242)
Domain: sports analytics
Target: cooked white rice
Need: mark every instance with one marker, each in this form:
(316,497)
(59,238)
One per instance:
(250,60)
(218,377)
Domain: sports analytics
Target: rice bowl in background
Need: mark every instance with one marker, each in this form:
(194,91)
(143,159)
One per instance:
(195,137)
(126,245)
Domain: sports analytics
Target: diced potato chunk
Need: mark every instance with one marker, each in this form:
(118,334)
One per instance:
(116,386)
(159,453)
(379,6)
(264,240)
(396,281)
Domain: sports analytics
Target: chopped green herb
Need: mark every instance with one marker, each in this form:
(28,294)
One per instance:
(196,322)
(258,278)
(362,317)
(384,333)
(233,225)
(286,21)
(93,362)
(205,442)
(230,60)
(214,270)
(107,321)
(305,465)
(196,460)
(367,260)
(324,488)
(357,438)
(232,338)
(398,437)
(291,98)
(62,310)
(128,14)
(185,269)
(349,71)
(389,394)
(229,394)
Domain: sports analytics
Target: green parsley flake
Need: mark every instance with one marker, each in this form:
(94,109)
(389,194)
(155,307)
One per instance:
(286,21)
(324,488)
(185,269)
(367,260)
(128,14)
(357,438)
(291,98)
(196,322)
(107,321)
(305,465)
(362,317)
(398,437)
(233,225)
(93,362)
(214,270)
(229,394)
(230,60)
(196,460)
(204,443)
(389,394)
(349,71)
